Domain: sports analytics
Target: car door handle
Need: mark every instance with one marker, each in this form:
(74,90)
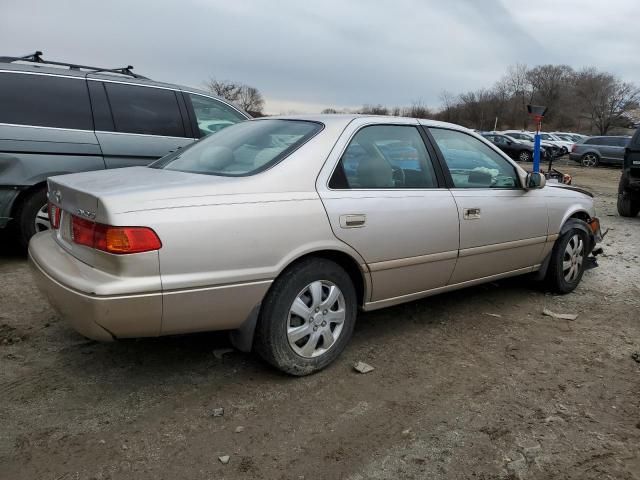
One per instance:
(471,213)
(352,221)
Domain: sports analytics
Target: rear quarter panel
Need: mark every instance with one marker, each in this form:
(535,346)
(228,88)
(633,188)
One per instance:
(217,261)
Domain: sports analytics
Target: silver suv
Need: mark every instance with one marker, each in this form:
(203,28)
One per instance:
(61,118)
(593,151)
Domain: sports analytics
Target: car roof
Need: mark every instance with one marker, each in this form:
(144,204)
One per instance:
(346,118)
(112,77)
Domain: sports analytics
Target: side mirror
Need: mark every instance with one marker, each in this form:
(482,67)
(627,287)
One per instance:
(509,142)
(535,180)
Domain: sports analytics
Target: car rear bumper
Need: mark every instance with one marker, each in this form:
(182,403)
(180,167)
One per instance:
(99,317)
(70,286)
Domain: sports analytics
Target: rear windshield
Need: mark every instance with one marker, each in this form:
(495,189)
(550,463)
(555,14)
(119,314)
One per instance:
(242,149)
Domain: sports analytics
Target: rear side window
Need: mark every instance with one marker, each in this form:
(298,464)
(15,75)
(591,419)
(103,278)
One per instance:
(593,141)
(212,115)
(45,101)
(385,156)
(148,110)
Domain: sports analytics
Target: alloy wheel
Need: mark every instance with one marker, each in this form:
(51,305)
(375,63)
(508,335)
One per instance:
(316,319)
(41,221)
(524,156)
(572,258)
(589,160)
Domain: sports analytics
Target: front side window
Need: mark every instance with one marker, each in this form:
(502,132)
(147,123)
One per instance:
(242,149)
(472,163)
(147,110)
(45,101)
(212,115)
(385,156)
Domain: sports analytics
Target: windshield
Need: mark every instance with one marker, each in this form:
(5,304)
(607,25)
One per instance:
(242,149)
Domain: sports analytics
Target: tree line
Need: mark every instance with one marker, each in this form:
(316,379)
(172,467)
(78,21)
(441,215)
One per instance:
(586,101)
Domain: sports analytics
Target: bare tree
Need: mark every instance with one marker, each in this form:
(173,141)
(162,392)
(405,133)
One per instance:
(418,110)
(329,110)
(374,110)
(224,89)
(519,87)
(605,97)
(448,101)
(250,100)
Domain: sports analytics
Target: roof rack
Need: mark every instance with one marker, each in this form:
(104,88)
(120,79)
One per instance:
(37,58)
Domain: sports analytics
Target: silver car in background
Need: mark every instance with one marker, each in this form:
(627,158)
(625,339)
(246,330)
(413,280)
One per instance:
(280,229)
(593,151)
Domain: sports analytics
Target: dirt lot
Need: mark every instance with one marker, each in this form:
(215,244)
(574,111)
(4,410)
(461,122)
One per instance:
(472,384)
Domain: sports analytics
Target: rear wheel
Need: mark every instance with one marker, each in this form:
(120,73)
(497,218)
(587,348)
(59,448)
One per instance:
(32,216)
(628,202)
(307,318)
(524,156)
(628,205)
(590,160)
(567,261)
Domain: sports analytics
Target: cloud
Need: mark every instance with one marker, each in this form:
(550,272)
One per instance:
(330,53)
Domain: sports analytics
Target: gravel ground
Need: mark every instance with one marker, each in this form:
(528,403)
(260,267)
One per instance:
(471,384)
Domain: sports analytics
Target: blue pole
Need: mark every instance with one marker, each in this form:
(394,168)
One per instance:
(536,152)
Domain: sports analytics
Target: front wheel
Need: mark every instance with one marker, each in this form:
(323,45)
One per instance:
(307,318)
(567,261)
(589,160)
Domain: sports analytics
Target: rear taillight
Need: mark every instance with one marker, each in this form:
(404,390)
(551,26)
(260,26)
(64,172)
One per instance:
(573,148)
(54,216)
(118,240)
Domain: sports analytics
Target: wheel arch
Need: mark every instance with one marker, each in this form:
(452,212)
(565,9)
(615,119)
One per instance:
(242,338)
(354,267)
(24,194)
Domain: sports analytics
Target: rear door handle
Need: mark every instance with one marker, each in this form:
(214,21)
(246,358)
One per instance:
(471,213)
(352,221)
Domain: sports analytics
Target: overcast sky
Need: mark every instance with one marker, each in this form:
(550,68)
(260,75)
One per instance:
(305,55)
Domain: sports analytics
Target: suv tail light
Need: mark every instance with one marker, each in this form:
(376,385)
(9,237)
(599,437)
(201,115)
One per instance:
(54,215)
(118,240)
(573,148)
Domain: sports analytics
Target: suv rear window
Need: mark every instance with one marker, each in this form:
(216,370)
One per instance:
(242,149)
(147,110)
(45,101)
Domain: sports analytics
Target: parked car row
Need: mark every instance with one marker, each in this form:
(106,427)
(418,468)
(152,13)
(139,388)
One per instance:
(588,151)
(519,145)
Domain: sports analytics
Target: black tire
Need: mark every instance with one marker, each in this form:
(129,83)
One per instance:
(26,216)
(628,205)
(271,341)
(525,156)
(556,276)
(628,202)
(590,160)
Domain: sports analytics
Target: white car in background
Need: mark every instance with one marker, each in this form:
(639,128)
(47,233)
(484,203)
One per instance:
(570,137)
(564,145)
